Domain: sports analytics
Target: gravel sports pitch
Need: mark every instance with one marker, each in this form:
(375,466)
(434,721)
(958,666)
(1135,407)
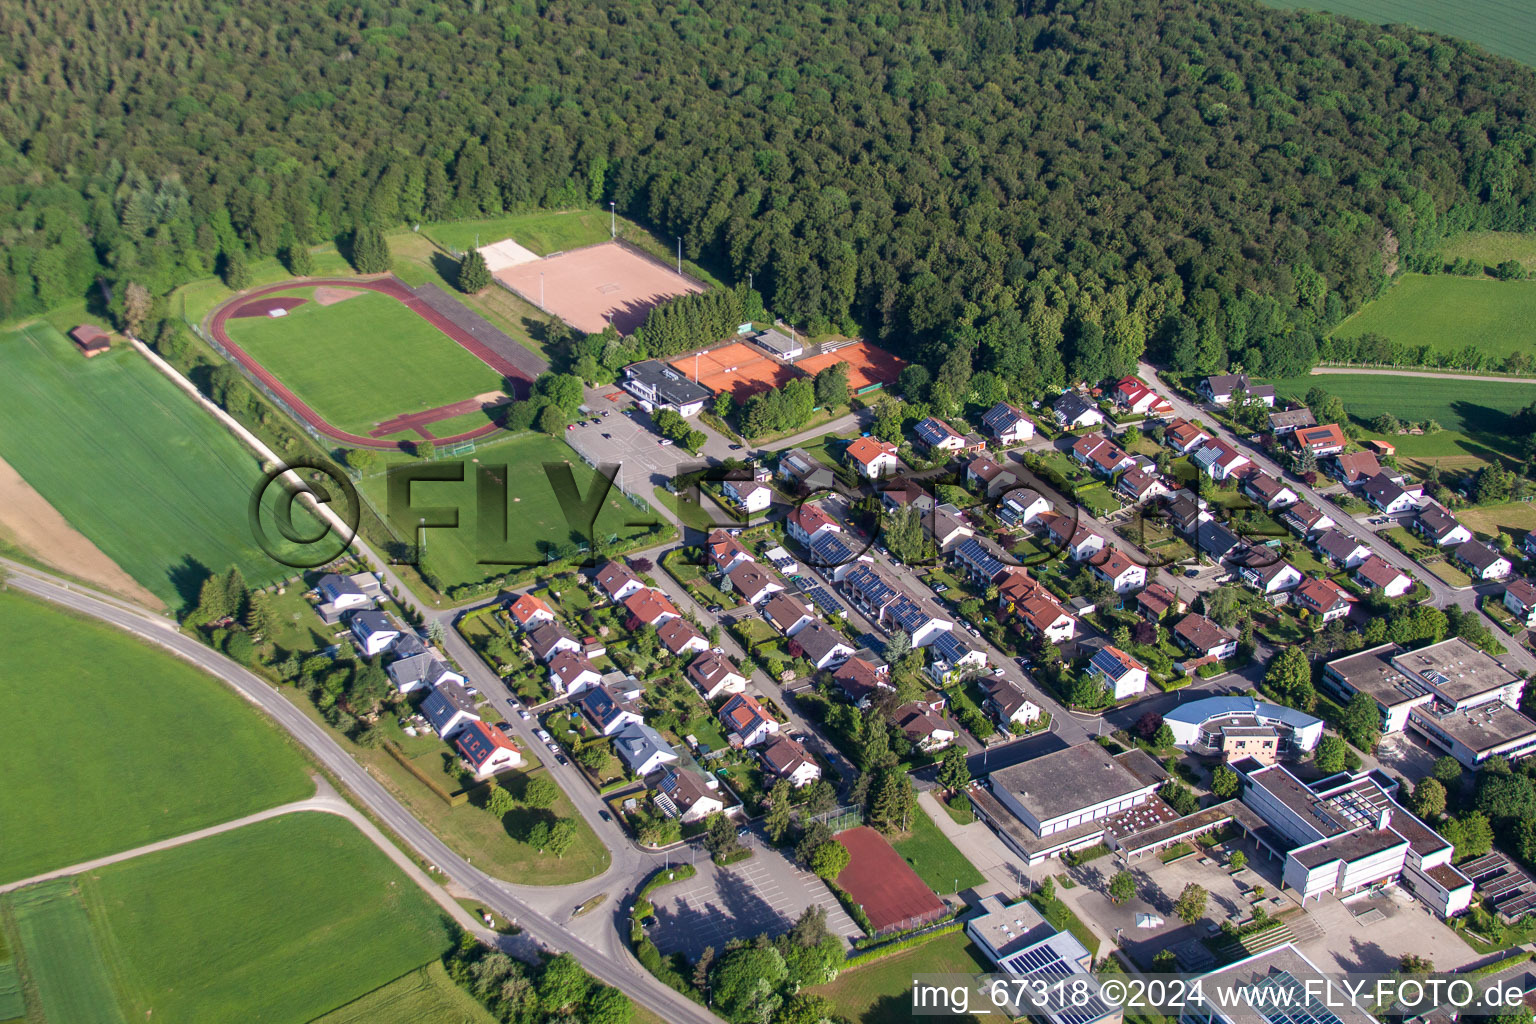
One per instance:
(890,892)
(588,288)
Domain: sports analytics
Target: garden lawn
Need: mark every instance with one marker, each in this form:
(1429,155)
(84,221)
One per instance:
(62,960)
(425,996)
(690,512)
(535,522)
(1506,27)
(364,360)
(154,747)
(279,921)
(936,860)
(880,992)
(1516,519)
(1450,313)
(132,462)
(1476,417)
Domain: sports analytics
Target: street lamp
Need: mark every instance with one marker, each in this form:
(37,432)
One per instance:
(613,224)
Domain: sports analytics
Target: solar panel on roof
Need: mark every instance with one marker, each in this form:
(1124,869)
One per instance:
(1063,1005)
(824,600)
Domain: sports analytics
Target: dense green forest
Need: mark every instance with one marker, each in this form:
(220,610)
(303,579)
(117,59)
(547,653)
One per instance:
(1034,188)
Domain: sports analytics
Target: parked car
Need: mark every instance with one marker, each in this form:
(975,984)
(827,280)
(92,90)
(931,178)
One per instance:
(541,734)
(1191,573)
(605,815)
(561,759)
(665,442)
(735,447)
(570,426)
(525,716)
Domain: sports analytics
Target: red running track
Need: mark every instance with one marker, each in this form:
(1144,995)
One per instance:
(395,289)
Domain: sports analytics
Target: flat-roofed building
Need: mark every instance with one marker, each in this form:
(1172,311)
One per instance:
(1057,793)
(1276,986)
(1371,672)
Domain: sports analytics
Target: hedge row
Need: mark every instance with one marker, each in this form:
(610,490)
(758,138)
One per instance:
(859,959)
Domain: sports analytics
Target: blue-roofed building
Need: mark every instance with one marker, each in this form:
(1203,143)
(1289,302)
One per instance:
(642,749)
(822,598)
(374,630)
(869,589)
(1008,424)
(1243,727)
(937,436)
(605,710)
(1056,971)
(449,708)
(981,559)
(953,658)
(831,553)
(1121,673)
(906,614)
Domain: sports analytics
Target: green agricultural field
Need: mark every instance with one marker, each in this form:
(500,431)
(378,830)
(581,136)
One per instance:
(131,462)
(425,996)
(1505,27)
(542,231)
(62,959)
(364,360)
(1475,417)
(1450,313)
(1493,248)
(154,747)
(881,992)
(935,859)
(535,521)
(280,921)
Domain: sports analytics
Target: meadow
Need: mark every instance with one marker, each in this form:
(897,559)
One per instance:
(881,992)
(1493,248)
(1476,417)
(63,961)
(936,860)
(1506,27)
(111,744)
(425,996)
(541,231)
(289,919)
(535,521)
(1450,313)
(363,360)
(131,461)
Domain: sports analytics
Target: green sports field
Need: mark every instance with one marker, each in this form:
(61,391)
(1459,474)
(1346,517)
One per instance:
(288,919)
(111,744)
(1506,27)
(131,461)
(534,516)
(363,360)
(1449,313)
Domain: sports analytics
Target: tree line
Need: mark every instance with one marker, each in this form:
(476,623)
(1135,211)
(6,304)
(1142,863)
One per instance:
(1040,191)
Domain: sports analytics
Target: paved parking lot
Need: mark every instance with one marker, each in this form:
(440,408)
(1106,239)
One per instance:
(764,894)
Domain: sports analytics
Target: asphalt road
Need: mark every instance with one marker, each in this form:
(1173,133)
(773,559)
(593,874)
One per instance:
(607,958)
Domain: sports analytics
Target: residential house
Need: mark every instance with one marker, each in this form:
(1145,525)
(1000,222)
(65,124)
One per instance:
(1067,534)
(424,670)
(872,457)
(1520,599)
(1008,424)
(1008,703)
(1203,638)
(550,639)
(1389,497)
(822,645)
(1287,421)
(1482,561)
(924,729)
(1044,616)
(659,386)
(1139,484)
(1014,586)
(648,607)
(1122,674)
(806,473)
(1074,411)
(897,494)
(374,630)
(1101,455)
(680,637)
(937,436)
(993,477)
(449,708)
(1340,549)
(1268,491)
(725,551)
(749,495)
(1528,545)
(607,711)
(1134,394)
(617,582)
(341,593)
(1022,506)
(1183,512)
(861,679)
(953,659)
(1220,460)
(1115,568)
(1215,541)
(947,527)
(1376,573)
(981,559)
(571,672)
(1439,527)
(1221,388)
(746,721)
(1306,520)
(1156,601)
(486,750)
(687,796)
(755,583)
(1321,441)
(1270,574)
(809,521)
(1352,468)
(1184,437)
(907,615)
(715,674)
(788,613)
(1324,599)
(786,758)
(642,749)
(530,612)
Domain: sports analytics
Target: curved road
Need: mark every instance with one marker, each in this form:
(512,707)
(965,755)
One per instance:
(607,958)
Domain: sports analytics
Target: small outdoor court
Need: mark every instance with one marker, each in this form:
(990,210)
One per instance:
(589,288)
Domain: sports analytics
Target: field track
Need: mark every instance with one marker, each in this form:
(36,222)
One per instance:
(1321,370)
(395,289)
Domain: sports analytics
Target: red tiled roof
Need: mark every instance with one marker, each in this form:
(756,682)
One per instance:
(649,605)
(526,606)
(866,449)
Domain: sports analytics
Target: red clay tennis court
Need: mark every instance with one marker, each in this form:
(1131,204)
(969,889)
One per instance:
(868,365)
(589,287)
(739,368)
(891,893)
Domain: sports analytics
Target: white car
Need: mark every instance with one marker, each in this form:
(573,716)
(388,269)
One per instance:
(541,734)
(553,749)
(524,715)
